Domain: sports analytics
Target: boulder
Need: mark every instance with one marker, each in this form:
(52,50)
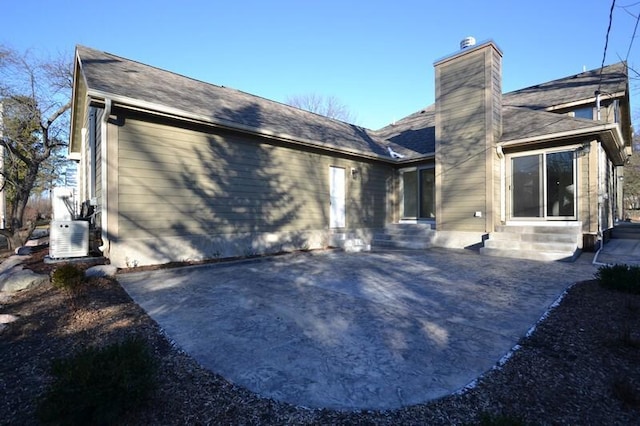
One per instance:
(101,271)
(14,278)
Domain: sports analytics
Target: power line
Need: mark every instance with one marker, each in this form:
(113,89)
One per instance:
(633,37)
(606,42)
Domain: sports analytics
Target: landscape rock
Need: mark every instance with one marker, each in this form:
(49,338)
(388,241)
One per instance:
(24,250)
(14,278)
(101,271)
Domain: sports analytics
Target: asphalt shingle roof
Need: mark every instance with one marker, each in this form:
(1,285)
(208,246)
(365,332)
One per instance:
(412,137)
(521,115)
(579,87)
(114,75)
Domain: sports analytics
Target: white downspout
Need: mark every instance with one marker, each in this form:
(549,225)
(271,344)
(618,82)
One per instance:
(82,166)
(600,196)
(103,176)
(503,209)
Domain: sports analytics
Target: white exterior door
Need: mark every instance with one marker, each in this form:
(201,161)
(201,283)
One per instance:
(337,197)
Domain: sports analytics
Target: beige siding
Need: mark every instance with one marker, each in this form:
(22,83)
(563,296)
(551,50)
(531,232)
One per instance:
(463,126)
(180,182)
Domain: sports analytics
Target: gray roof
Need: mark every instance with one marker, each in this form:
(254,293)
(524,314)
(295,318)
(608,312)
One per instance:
(523,123)
(580,87)
(521,115)
(115,76)
(413,136)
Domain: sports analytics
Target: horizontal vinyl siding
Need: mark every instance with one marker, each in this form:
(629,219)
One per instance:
(461,150)
(175,181)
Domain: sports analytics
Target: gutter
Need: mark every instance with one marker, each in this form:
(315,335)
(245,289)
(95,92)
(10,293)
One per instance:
(103,178)
(610,134)
(175,113)
(563,135)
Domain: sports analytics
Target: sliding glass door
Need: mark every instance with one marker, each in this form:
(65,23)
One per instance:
(543,185)
(418,192)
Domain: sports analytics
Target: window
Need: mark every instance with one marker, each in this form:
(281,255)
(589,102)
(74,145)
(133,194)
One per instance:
(543,185)
(585,112)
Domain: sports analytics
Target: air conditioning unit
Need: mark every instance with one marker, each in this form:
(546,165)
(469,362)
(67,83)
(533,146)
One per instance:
(68,238)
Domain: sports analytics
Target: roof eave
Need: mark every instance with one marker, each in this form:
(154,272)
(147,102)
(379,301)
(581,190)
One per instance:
(609,134)
(604,96)
(176,113)
(73,138)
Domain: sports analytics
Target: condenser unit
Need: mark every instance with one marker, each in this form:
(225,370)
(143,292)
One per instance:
(69,238)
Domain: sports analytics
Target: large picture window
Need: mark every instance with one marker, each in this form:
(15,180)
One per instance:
(543,185)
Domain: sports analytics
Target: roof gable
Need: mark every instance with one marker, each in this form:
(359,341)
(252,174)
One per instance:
(610,80)
(524,111)
(132,82)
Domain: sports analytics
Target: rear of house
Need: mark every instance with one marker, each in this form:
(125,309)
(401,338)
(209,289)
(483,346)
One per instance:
(175,169)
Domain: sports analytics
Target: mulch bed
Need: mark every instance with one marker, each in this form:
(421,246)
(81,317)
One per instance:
(580,366)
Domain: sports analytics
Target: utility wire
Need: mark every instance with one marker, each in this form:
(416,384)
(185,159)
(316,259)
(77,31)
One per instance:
(606,42)
(633,37)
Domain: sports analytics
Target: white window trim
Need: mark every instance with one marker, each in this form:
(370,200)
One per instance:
(509,179)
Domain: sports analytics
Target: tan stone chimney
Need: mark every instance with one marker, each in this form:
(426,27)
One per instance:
(468,126)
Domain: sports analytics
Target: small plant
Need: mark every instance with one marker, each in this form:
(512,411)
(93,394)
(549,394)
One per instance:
(69,279)
(97,386)
(620,277)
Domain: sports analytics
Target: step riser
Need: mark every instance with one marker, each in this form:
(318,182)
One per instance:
(523,245)
(625,235)
(516,229)
(531,255)
(554,238)
(409,235)
(413,245)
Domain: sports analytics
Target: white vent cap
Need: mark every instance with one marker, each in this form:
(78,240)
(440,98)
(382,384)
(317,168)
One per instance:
(467,42)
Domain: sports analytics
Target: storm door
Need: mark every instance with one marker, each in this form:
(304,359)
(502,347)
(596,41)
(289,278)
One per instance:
(543,186)
(337,197)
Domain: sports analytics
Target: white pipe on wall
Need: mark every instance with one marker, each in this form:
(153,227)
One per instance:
(103,177)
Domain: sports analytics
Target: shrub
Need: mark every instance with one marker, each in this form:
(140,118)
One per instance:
(97,386)
(67,277)
(620,277)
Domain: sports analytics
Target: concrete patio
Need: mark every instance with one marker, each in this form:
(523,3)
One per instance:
(353,331)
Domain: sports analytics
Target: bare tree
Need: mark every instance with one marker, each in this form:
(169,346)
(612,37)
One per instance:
(329,106)
(35,101)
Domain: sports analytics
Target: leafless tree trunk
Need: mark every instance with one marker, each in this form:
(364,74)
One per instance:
(35,98)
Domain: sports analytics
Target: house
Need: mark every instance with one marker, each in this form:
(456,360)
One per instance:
(176,169)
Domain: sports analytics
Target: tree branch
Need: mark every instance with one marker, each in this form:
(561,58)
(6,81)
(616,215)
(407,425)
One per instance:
(57,114)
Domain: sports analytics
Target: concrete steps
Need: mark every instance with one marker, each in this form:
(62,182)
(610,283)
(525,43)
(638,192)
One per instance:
(350,242)
(413,236)
(626,231)
(547,243)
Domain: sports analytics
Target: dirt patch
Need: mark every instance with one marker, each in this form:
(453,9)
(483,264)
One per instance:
(581,365)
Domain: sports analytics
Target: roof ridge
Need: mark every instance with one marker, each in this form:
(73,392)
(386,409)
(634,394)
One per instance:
(232,89)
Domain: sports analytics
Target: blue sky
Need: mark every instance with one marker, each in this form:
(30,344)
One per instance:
(375,56)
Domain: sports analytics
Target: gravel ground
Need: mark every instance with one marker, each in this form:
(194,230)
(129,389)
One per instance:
(581,366)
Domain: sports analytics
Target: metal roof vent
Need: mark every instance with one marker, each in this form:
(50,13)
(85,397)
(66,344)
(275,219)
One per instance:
(467,42)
